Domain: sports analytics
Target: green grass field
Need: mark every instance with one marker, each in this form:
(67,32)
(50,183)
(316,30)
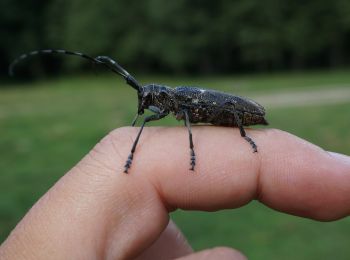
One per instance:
(46,127)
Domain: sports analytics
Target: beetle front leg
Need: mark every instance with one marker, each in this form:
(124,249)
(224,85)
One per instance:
(139,113)
(147,119)
(193,155)
(243,133)
(135,119)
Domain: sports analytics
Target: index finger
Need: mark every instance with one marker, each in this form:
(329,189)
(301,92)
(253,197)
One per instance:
(288,174)
(114,215)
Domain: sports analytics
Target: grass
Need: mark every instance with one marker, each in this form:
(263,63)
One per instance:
(47,126)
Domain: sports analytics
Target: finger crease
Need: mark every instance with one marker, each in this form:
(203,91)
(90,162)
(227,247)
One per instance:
(259,188)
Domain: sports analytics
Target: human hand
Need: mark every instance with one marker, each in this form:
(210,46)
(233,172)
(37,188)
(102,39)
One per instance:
(96,211)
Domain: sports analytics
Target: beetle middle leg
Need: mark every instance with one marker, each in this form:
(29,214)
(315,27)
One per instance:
(243,133)
(147,119)
(188,125)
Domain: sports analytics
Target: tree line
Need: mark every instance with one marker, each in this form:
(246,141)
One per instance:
(221,36)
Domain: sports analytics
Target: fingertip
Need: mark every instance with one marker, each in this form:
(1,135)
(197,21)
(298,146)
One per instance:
(221,253)
(302,179)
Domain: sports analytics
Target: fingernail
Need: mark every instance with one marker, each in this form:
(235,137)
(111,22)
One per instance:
(341,157)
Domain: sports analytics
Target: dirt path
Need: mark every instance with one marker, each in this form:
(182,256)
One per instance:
(298,98)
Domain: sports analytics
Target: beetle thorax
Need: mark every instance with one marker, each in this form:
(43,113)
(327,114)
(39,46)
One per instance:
(159,96)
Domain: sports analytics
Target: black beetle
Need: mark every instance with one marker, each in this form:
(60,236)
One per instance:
(191,104)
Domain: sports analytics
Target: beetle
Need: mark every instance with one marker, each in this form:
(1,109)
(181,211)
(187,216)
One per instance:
(191,104)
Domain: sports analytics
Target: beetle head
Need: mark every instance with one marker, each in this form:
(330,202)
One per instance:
(159,96)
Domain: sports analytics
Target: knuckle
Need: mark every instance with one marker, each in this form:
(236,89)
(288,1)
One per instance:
(120,133)
(120,138)
(109,153)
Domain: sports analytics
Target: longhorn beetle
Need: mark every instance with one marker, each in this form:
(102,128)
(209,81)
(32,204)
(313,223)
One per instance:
(191,104)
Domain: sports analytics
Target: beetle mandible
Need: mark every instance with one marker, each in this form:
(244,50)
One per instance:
(191,104)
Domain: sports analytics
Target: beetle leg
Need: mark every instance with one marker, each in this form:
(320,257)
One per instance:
(188,125)
(147,119)
(135,119)
(243,134)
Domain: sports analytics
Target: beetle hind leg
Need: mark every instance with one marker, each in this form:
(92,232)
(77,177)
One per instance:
(243,133)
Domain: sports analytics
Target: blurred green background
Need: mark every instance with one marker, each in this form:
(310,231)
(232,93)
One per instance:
(180,36)
(292,56)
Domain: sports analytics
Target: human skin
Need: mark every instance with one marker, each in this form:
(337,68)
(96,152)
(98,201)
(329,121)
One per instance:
(96,211)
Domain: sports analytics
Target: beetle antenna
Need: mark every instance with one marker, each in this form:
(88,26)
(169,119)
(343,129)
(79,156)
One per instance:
(108,62)
(33,53)
(115,67)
